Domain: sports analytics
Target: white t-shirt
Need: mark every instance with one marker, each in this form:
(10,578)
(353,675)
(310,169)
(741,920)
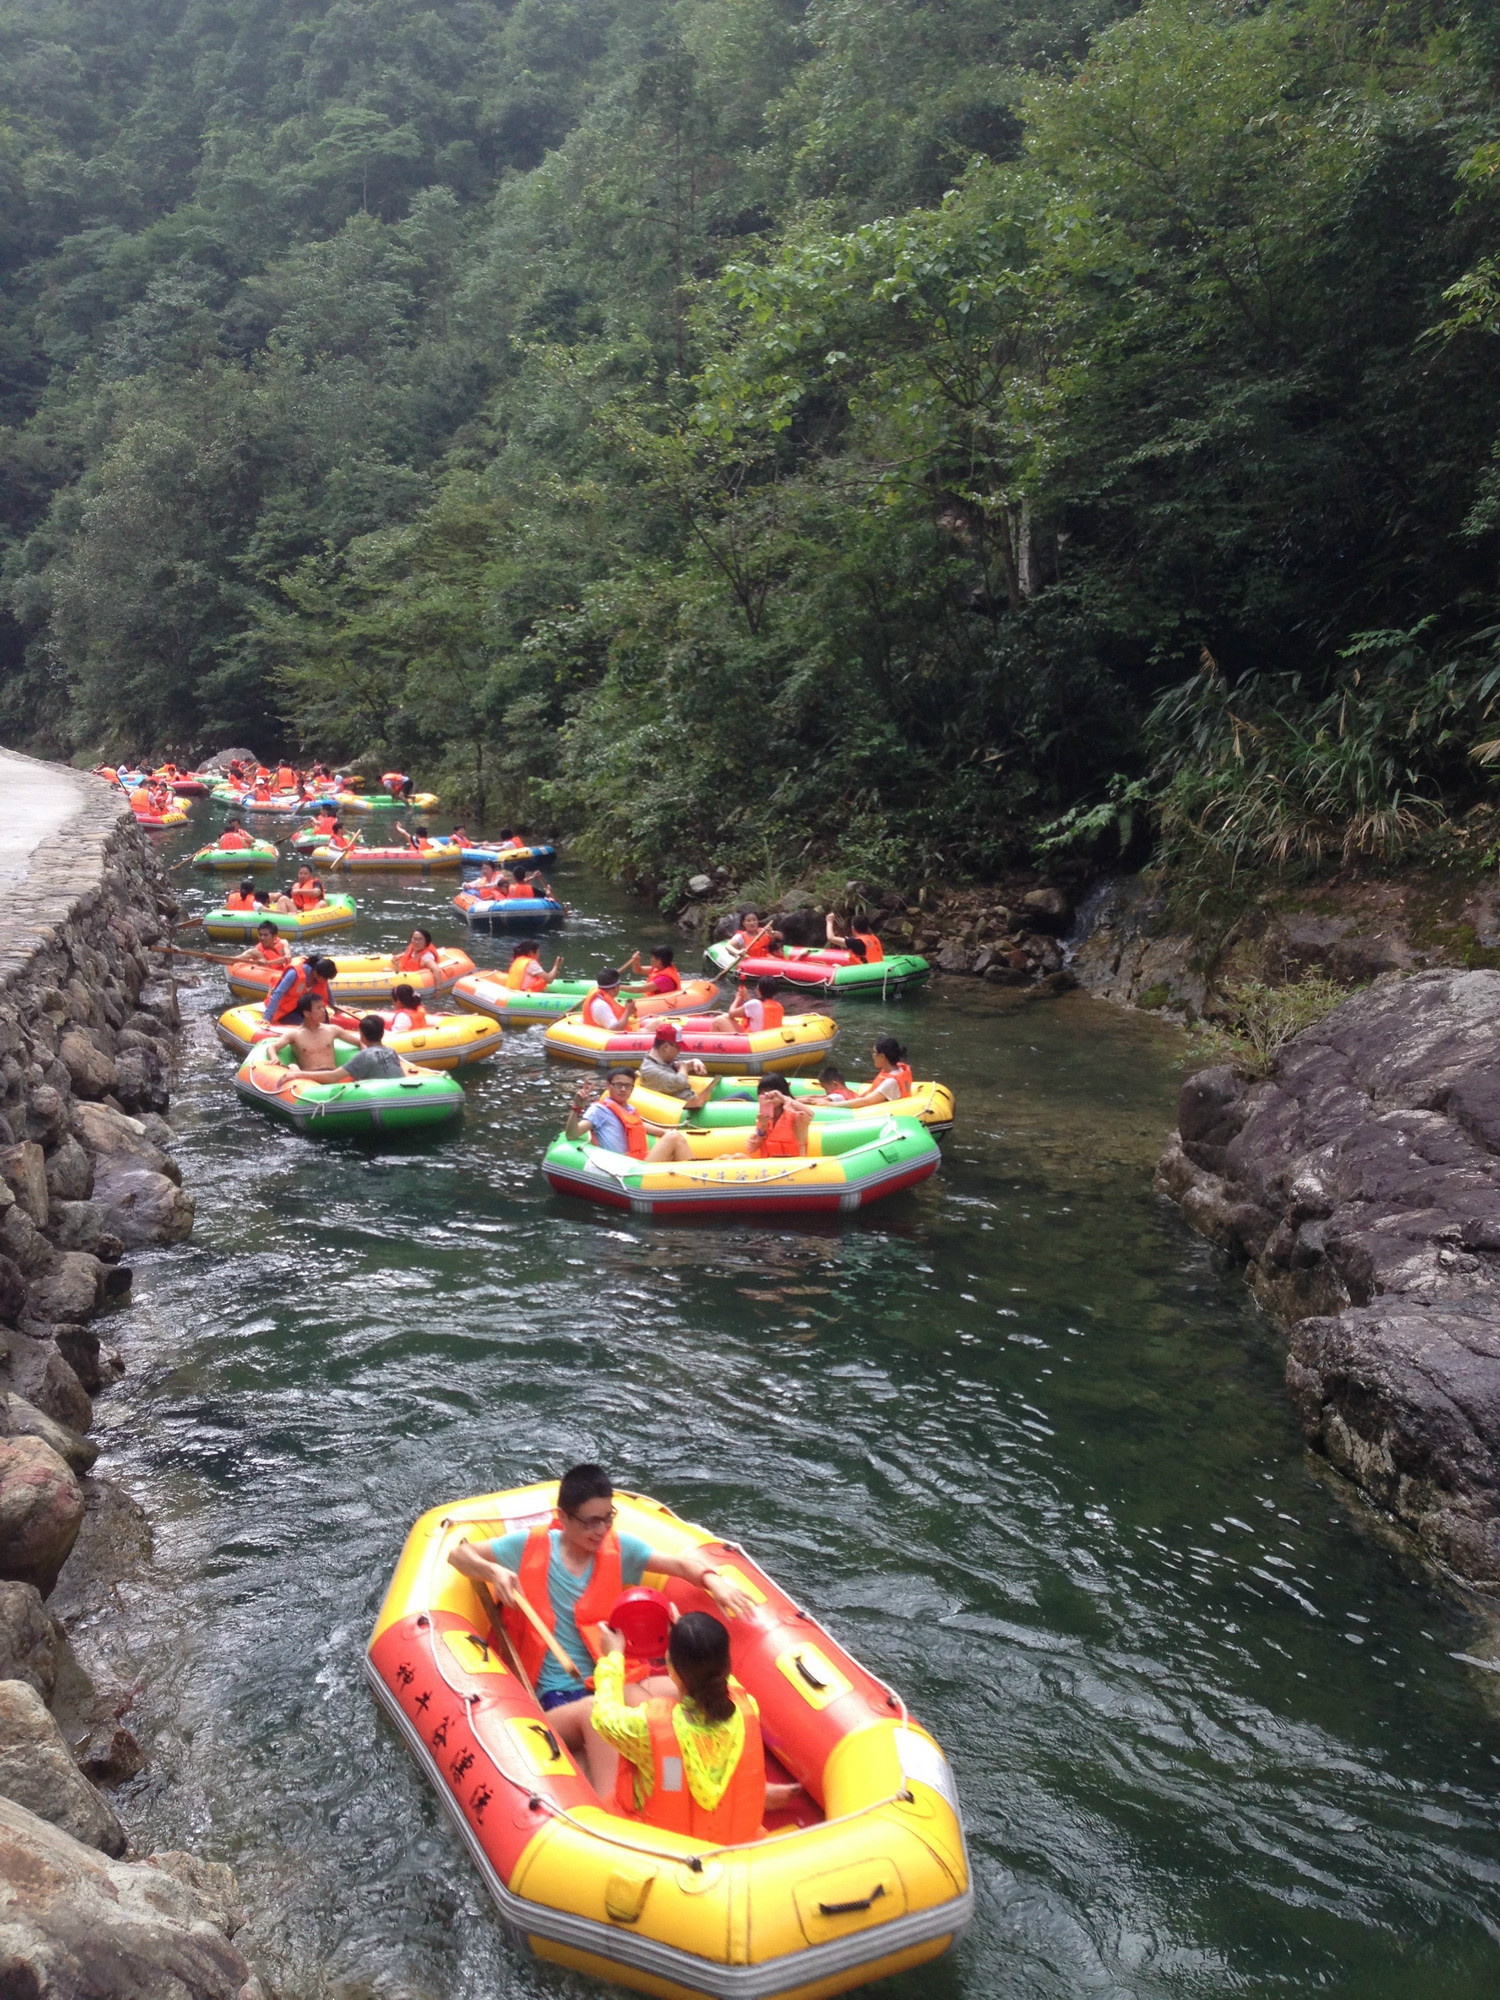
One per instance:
(599,1011)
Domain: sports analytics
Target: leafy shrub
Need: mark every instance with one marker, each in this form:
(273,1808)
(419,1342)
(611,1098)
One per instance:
(1264,1019)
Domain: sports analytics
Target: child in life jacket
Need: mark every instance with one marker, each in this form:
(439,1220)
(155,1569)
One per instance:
(692,1762)
(409,1014)
(832,1088)
(863,945)
(761,1010)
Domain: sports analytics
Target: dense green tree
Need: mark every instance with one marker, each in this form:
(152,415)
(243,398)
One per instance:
(895,434)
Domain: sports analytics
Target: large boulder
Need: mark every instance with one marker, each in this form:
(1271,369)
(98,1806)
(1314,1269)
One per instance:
(77,1926)
(84,1225)
(91,1072)
(70,1174)
(37,1368)
(14,1291)
(24,1419)
(28,1644)
(71,1290)
(23,1168)
(140,1206)
(1361,1184)
(112,1136)
(37,1771)
(41,1509)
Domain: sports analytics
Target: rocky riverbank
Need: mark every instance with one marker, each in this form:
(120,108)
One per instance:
(86,1175)
(1360,1185)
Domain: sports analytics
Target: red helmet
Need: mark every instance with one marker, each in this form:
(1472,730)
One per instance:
(642,1619)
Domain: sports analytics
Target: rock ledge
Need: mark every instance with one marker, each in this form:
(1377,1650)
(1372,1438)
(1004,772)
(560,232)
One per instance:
(1361,1186)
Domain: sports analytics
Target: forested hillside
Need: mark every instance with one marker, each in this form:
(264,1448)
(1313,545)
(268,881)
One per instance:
(882,433)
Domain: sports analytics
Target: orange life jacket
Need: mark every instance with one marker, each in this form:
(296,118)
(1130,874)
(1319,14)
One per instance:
(286,779)
(392,779)
(636,1142)
(414,1017)
(780,1140)
(304,985)
(512,842)
(670,975)
(324,823)
(734,1821)
(140,799)
(525,975)
(753,944)
(902,1073)
(772,1015)
(274,954)
(839,1092)
(238,900)
(617,1011)
(874,949)
(408,962)
(262,792)
(594,1605)
(233,842)
(307,895)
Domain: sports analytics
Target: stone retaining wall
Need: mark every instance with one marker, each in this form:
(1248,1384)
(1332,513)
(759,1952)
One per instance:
(87,1039)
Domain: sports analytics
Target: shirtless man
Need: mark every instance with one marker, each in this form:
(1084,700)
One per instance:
(313,1043)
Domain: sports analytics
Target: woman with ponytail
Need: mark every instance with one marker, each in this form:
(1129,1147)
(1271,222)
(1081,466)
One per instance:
(892,1076)
(693,1763)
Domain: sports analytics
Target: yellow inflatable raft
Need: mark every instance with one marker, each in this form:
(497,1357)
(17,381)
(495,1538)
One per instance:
(869,1878)
(801,1042)
(449,1041)
(732,1107)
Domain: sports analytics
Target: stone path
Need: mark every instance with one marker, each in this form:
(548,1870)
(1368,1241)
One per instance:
(35,801)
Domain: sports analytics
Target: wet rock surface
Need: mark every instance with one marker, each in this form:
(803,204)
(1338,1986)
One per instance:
(74,1922)
(37,1771)
(1361,1186)
(86,1044)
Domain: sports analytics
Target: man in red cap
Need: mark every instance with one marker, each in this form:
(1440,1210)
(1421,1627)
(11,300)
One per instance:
(666,1071)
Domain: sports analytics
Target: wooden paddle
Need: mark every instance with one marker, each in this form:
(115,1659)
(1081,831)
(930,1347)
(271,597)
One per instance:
(184,951)
(498,1633)
(345,852)
(544,1635)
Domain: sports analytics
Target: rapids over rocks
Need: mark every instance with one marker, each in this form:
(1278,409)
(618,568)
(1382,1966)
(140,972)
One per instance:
(1014,1436)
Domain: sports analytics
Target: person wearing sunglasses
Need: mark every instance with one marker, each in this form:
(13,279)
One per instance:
(572,1572)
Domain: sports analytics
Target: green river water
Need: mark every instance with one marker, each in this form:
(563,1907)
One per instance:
(1013,1435)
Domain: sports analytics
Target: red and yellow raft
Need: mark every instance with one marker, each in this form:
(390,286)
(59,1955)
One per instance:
(869,1879)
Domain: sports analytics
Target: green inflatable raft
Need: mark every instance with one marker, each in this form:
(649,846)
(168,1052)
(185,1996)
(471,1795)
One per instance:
(417,1100)
(334,913)
(237,860)
(822,970)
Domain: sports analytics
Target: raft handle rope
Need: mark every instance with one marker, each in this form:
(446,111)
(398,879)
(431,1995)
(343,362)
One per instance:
(699,1179)
(693,1861)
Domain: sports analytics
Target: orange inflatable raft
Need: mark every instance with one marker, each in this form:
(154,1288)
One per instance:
(370,978)
(870,1878)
